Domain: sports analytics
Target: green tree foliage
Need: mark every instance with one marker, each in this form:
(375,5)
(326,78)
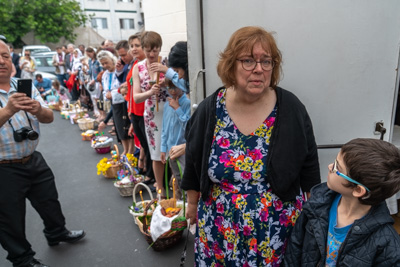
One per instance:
(48,19)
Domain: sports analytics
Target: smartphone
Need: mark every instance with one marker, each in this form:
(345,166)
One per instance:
(25,86)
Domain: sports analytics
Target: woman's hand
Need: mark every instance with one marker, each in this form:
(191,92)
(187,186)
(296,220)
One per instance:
(158,67)
(191,213)
(102,125)
(155,89)
(177,151)
(108,95)
(131,131)
(163,156)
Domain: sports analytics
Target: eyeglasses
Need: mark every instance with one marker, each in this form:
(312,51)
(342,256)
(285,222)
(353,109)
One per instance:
(27,55)
(335,170)
(250,64)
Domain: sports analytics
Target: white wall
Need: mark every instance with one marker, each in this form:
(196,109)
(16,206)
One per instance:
(168,18)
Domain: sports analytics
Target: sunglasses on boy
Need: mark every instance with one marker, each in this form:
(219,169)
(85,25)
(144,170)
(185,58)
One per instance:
(335,170)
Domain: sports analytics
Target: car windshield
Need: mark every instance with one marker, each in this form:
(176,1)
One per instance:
(39,50)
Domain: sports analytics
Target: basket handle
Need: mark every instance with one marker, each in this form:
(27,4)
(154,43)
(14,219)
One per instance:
(166,182)
(135,189)
(116,149)
(145,214)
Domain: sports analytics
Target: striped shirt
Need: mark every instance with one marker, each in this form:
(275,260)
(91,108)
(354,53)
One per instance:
(9,149)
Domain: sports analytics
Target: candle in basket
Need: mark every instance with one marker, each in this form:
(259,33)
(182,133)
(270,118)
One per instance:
(159,196)
(141,197)
(173,191)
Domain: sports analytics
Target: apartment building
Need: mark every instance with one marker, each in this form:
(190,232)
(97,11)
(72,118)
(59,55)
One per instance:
(114,19)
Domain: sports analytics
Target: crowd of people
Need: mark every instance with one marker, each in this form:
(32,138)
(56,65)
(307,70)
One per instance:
(248,154)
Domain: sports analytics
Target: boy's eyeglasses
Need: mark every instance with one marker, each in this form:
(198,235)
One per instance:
(335,170)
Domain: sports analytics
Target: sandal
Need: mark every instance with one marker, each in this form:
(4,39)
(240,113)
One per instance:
(148,180)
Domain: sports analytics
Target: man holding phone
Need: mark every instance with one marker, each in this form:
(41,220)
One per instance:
(24,172)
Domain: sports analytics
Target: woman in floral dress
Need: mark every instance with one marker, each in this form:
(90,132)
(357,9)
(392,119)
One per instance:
(154,96)
(250,156)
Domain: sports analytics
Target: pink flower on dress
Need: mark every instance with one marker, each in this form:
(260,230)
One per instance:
(246,264)
(152,142)
(246,175)
(223,142)
(278,205)
(230,246)
(152,124)
(283,219)
(270,121)
(264,216)
(220,208)
(246,230)
(255,154)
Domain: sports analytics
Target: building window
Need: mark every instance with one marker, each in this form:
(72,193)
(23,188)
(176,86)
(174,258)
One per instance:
(99,23)
(127,24)
(126,1)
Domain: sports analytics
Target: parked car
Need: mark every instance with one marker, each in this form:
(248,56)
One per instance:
(44,61)
(35,49)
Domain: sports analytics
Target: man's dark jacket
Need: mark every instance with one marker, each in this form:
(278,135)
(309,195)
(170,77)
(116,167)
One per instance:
(292,160)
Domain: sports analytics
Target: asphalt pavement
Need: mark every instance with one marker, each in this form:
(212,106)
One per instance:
(90,202)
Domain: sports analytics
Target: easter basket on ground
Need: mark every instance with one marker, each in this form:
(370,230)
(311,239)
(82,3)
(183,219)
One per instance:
(167,221)
(110,167)
(170,237)
(86,124)
(128,177)
(88,135)
(137,208)
(102,144)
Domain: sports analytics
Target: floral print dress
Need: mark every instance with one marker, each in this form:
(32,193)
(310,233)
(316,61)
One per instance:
(152,117)
(242,222)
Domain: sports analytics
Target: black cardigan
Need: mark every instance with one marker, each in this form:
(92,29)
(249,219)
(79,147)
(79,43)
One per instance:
(292,160)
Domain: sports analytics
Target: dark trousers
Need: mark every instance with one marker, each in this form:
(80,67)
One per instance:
(33,180)
(62,78)
(140,132)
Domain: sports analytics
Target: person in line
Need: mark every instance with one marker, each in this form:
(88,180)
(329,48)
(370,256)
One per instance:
(82,49)
(93,86)
(59,63)
(15,60)
(69,59)
(346,221)
(136,110)
(43,85)
(111,88)
(123,70)
(27,65)
(175,116)
(178,62)
(250,158)
(154,96)
(24,172)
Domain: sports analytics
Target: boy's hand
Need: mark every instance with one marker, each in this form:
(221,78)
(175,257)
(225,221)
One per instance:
(158,67)
(163,160)
(174,103)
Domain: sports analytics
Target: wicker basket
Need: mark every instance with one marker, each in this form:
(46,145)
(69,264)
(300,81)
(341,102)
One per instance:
(140,204)
(86,124)
(126,190)
(112,172)
(166,240)
(102,148)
